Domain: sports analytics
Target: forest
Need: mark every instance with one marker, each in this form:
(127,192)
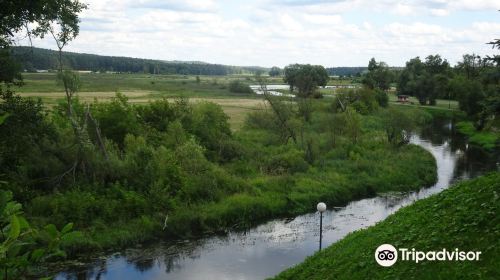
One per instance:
(32,59)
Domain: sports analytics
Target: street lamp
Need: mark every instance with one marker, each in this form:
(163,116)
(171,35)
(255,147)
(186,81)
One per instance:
(321,208)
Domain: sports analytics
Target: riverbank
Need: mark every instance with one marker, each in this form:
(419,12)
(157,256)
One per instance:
(377,169)
(486,139)
(265,180)
(175,170)
(472,223)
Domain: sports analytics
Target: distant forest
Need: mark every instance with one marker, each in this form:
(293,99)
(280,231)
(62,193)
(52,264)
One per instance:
(346,71)
(33,59)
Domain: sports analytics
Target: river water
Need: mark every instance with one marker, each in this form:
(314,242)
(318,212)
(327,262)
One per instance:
(272,247)
(274,89)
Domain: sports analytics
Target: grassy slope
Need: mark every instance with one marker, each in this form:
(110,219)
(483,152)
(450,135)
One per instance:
(466,216)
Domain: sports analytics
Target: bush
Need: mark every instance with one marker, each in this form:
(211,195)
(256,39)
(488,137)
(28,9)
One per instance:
(382,98)
(290,161)
(237,86)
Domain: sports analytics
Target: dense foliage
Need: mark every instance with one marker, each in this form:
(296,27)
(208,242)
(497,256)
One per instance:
(22,246)
(177,166)
(275,71)
(305,78)
(238,86)
(474,82)
(425,80)
(471,224)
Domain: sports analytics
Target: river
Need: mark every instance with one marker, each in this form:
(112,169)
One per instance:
(272,247)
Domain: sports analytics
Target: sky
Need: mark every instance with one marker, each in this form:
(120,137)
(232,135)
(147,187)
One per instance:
(281,32)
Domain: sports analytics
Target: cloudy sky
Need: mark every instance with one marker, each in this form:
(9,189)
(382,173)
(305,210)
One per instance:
(280,32)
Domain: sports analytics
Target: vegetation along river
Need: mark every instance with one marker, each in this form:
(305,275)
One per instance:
(267,249)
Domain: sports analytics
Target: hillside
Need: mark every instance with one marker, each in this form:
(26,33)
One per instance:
(37,59)
(466,216)
(33,59)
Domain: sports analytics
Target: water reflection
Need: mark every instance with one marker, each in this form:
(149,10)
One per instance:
(274,246)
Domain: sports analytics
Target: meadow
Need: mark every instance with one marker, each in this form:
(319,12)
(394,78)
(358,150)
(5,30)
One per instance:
(143,88)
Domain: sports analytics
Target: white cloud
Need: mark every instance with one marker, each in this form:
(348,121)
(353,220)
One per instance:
(439,12)
(268,32)
(323,19)
(474,5)
(404,10)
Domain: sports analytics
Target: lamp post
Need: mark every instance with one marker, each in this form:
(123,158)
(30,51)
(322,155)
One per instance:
(321,208)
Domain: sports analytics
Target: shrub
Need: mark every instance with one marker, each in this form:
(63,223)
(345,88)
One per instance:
(382,98)
(237,86)
(290,161)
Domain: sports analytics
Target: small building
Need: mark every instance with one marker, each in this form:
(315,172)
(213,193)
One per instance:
(403,98)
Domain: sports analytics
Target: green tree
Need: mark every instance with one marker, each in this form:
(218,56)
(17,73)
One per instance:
(425,80)
(469,94)
(398,126)
(306,78)
(118,118)
(211,127)
(470,66)
(238,86)
(25,135)
(274,71)
(379,75)
(18,16)
(290,74)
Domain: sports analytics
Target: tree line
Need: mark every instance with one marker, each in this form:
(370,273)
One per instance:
(474,82)
(332,71)
(32,59)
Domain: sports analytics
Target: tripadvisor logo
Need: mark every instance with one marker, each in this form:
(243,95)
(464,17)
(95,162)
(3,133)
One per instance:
(387,255)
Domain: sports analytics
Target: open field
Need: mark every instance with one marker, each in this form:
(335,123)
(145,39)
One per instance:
(141,88)
(174,85)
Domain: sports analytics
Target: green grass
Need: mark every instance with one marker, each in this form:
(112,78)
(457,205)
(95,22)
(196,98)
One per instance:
(173,84)
(466,216)
(485,139)
(143,88)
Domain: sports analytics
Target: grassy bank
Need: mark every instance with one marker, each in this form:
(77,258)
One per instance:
(465,217)
(486,139)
